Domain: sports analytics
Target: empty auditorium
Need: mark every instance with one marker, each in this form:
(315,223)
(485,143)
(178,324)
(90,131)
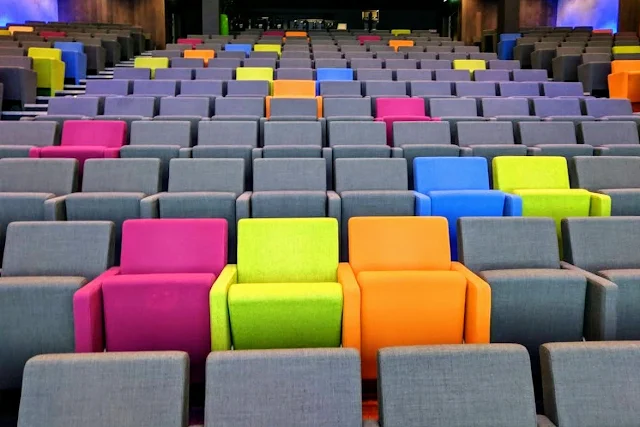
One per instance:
(290,213)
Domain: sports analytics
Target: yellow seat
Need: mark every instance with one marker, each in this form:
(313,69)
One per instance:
(617,50)
(204,54)
(20,29)
(469,64)
(151,63)
(49,68)
(395,44)
(5,33)
(268,48)
(254,73)
(400,32)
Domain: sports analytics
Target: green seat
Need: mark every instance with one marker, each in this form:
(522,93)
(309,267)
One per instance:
(284,291)
(49,68)
(617,50)
(400,32)
(151,63)
(268,48)
(543,185)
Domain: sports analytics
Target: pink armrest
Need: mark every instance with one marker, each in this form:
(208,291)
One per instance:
(88,314)
(112,152)
(34,152)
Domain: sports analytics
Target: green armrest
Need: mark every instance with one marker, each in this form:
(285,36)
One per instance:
(219,308)
(50,74)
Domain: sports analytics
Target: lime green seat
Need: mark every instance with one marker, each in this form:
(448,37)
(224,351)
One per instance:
(543,185)
(617,50)
(151,63)
(49,68)
(400,32)
(268,48)
(469,64)
(283,292)
(254,73)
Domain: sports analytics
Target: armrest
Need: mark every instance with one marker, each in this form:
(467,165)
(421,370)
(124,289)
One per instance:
(219,308)
(466,151)
(256,153)
(396,152)
(34,152)
(600,205)
(423,204)
(351,335)
(111,152)
(334,206)
(477,322)
(327,155)
(243,206)
(185,153)
(150,206)
(512,205)
(600,305)
(543,421)
(55,209)
(618,85)
(88,316)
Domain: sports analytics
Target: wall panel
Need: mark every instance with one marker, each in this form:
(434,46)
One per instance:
(629,15)
(536,13)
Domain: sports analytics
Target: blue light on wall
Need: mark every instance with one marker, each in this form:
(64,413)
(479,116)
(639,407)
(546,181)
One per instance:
(18,11)
(599,14)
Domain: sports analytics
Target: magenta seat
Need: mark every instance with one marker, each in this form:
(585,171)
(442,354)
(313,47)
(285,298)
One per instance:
(192,42)
(363,39)
(274,33)
(391,110)
(158,299)
(86,139)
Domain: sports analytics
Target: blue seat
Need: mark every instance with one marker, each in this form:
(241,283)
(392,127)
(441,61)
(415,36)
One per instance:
(334,74)
(506,44)
(246,48)
(458,187)
(75,60)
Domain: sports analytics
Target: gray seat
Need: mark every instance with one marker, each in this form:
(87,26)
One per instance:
(174,74)
(183,63)
(294,74)
(145,106)
(560,89)
(109,87)
(144,387)
(529,75)
(347,108)
(295,63)
(617,177)
(200,106)
(206,88)
(519,89)
(111,191)
(17,137)
(340,88)
(284,388)
(451,56)
(435,64)
(372,187)
(503,64)
(414,75)
(203,188)
(401,64)
(452,75)
(166,54)
(492,385)
(212,73)
(509,109)
(475,89)
(85,106)
(594,71)
(488,140)
(365,63)
(18,79)
(44,264)
(155,87)
(522,266)
(242,108)
(363,74)
(609,109)
(292,139)
(577,375)
(610,138)
(297,108)
(163,140)
(551,139)
(491,75)
(248,88)
(322,62)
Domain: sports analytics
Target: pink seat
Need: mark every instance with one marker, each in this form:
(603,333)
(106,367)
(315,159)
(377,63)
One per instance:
(391,110)
(86,139)
(274,33)
(158,299)
(363,39)
(192,42)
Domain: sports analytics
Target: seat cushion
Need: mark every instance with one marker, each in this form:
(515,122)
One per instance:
(628,310)
(153,312)
(288,204)
(285,315)
(404,308)
(200,204)
(557,204)
(624,201)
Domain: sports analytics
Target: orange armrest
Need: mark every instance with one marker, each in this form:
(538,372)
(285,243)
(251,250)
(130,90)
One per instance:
(477,328)
(351,307)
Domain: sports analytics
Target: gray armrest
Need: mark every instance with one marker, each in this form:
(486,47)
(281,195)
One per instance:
(55,209)
(185,153)
(466,152)
(256,153)
(370,423)
(600,306)
(327,155)
(334,206)
(243,206)
(150,206)
(544,421)
(396,152)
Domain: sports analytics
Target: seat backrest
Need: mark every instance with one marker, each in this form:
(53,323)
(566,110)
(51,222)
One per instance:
(294,88)
(155,87)
(573,371)
(435,64)
(142,386)
(325,389)
(334,74)
(519,89)
(366,63)
(530,75)
(598,133)
(537,133)
(201,54)
(45,53)
(426,88)
(364,74)
(493,243)
(268,48)
(173,246)
(421,133)
(294,133)
(108,133)
(605,172)
(198,106)
(221,132)
(16,61)
(625,49)
(248,88)
(475,88)
(206,88)
(144,106)
(279,250)
(452,75)
(371,174)
(294,74)
(27,133)
(206,175)
(56,176)
(121,175)
(239,106)
(174,74)
(346,107)
(456,107)
(398,244)
(122,73)
(450,173)
(147,132)
(546,107)
(151,63)
(414,383)
(356,133)
(622,66)
(504,64)
(295,174)
(58,248)
(485,133)
(108,87)
(555,89)
(494,107)
(399,107)
(254,73)
(469,64)
(530,172)
(81,106)
(214,73)
(295,63)
(600,107)
(69,46)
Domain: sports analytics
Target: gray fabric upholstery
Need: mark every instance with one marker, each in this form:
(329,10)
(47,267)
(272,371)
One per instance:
(547,107)
(346,107)
(356,133)
(208,88)
(546,133)
(294,133)
(131,389)
(452,75)
(475,88)
(121,175)
(207,175)
(287,388)
(508,243)
(155,87)
(293,107)
(109,87)
(456,107)
(524,88)
(591,384)
(384,88)
(125,73)
(162,133)
(608,132)
(603,107)
(495,107)
(422,88)
(484,133)
(617,177)
(174,74)
(224,133)
(364,74)
(247,88)
(240,106)
(56,176)
(289,175)
(294,74)
(456,386)
(213,73)
(414,75)
(82,106)
(130,106)
(435,64)
(199,106)
(289,204)
(340,88)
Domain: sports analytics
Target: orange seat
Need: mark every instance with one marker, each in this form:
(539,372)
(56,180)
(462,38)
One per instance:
(602,31)
(204,54)
(295,34)
(411,293)
(395,44)
(624,80)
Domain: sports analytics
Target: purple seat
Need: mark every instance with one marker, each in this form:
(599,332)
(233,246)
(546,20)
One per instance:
(158,299)
(557,89)
(491,75)
(109,87)
(529,75)
(122,73)
(525,89)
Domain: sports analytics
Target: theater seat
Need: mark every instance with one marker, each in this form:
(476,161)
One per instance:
(391,110)
(48,65)
(410,291)
(151,63)
(624,80)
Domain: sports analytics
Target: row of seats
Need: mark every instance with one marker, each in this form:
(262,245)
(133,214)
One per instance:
(492,385)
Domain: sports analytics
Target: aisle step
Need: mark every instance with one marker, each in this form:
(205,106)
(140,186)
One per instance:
(34,107)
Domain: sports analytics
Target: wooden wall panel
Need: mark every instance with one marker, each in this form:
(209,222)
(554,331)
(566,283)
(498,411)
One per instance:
(629,15)
(536,13)
(149,14)
(476,16)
